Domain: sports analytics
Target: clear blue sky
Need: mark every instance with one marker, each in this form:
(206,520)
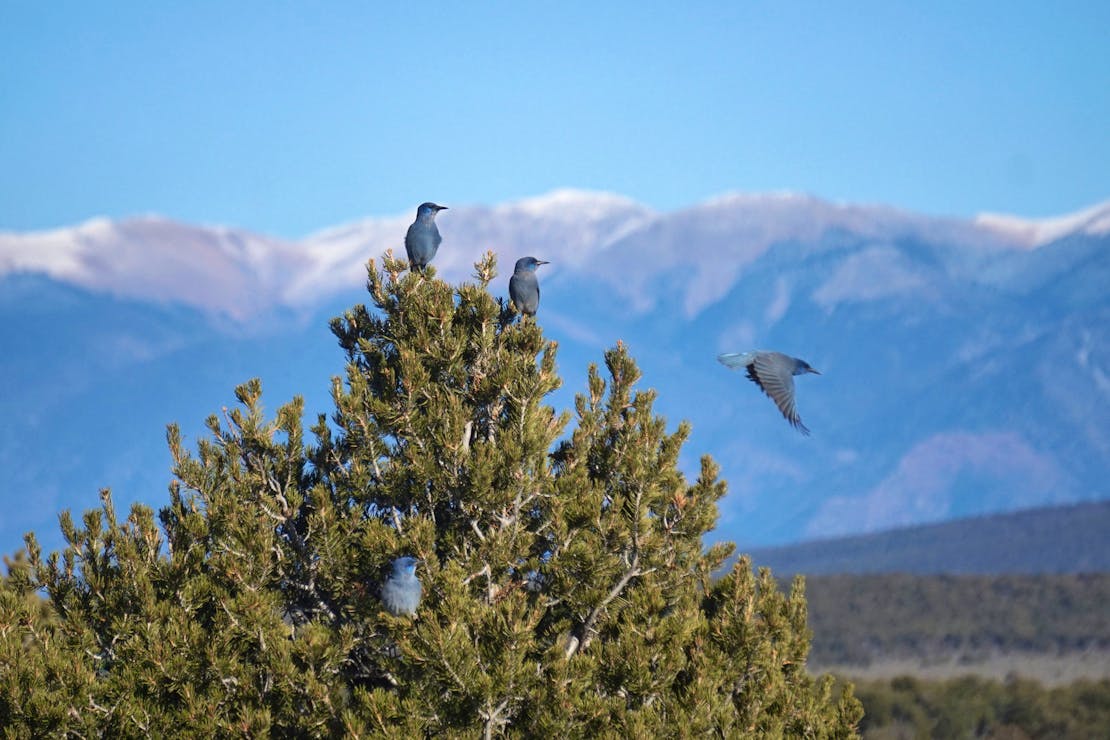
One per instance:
(289,117)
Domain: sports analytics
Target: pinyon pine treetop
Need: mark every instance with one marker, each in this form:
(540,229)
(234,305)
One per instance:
(565,586)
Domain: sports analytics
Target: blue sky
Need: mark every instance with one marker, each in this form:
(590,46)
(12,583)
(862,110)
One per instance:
(286,118)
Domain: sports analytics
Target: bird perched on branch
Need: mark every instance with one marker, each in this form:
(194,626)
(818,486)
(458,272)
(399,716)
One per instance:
(774,373)
(422,239)
(401,590)
(524,288)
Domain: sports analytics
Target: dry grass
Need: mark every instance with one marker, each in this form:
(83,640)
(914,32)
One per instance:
(1048,669)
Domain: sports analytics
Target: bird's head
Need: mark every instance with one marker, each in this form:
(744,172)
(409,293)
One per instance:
(429,209)
(405,565)
(801,367)
(529,264)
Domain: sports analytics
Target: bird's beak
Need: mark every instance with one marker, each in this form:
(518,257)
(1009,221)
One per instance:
(542,262)
(441,208)
(815,372)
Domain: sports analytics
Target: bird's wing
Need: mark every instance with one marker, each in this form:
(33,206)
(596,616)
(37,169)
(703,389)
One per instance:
(514,291)
(524,290)
(412,244)
(736,360)
(773,373)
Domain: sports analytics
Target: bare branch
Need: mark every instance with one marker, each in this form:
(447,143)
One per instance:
(493,719)
(467,431)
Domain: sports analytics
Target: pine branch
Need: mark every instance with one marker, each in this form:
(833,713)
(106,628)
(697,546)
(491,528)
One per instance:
(586,630)
(493,719)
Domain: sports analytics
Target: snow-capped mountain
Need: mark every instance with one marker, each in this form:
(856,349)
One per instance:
(966,362)
(241,274)
(218,270)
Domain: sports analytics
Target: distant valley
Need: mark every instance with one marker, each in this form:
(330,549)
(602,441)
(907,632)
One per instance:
(1024,594)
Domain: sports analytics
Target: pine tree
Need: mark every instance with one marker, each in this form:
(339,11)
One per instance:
(567,588)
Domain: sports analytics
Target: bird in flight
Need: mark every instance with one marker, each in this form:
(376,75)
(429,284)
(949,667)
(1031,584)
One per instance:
(774,373)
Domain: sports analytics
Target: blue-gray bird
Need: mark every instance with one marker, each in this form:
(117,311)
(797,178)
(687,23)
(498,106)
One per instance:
(422,239)
(401,590)
(774,373)
(524,289)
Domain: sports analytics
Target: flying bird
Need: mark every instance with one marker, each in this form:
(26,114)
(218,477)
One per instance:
(401,590)
(774,373)
(422,239)
(524,289)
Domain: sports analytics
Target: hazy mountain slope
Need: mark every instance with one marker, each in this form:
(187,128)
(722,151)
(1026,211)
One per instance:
(90,383)
(1064,539)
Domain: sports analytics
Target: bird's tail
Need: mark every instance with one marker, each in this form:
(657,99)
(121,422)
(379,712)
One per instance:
(736,360)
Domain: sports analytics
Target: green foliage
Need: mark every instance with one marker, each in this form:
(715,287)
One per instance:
(566,586)
(974,707)
(860,618)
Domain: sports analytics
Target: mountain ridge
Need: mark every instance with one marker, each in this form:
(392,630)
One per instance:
(1028,541)
(299,273)
(964,372)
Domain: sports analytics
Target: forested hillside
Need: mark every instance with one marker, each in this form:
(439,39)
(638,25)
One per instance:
(973,707)
(1015,656)
(859,619)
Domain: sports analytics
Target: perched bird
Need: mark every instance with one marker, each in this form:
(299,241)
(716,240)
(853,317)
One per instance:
(422,239)
(401,590)
(773,372)
(524,289)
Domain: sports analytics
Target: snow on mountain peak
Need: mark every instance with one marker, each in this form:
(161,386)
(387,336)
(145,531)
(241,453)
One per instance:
(216,269)
(1032,233)
(581,203)
(237,273)
(744,198)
